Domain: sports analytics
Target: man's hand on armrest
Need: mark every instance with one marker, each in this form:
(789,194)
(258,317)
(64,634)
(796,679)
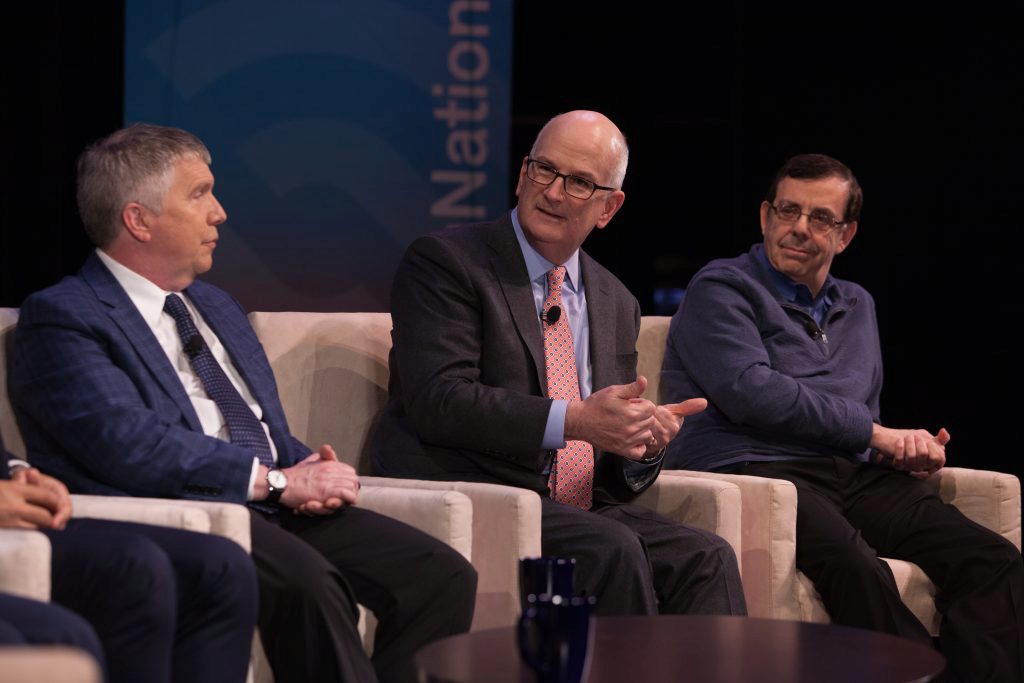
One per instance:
(910,450)
(24,505)
(318,485)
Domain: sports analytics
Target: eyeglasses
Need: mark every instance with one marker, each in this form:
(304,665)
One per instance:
(575,186)
(819,220)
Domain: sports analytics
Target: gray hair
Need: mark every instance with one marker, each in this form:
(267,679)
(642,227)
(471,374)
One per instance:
(134,164)
(619,142)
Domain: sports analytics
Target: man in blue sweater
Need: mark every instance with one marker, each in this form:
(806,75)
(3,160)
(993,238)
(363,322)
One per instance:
(789,360)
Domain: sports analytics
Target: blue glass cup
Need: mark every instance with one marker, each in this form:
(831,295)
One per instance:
(554,636)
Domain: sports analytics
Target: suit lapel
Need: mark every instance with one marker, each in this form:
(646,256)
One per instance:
(247,355)
(601,314)
(124,314)
(510,269)
(239,343)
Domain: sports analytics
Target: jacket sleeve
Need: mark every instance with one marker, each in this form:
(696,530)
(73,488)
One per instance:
(720,346)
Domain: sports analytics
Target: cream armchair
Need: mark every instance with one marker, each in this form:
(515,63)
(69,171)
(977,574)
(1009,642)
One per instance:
(332,374)
(771,582)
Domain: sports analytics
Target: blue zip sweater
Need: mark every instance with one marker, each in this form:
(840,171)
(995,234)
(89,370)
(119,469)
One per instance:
(774,391)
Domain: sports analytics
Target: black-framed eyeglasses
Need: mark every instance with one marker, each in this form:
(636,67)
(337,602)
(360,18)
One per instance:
(819,220)
(575,186)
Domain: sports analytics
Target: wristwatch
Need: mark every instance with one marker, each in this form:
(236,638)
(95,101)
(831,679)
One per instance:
(277,481)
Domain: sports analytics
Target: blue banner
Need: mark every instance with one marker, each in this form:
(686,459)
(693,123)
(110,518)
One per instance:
(339,130)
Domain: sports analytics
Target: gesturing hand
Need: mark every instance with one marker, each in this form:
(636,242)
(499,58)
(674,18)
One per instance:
(668,419)
(614,419)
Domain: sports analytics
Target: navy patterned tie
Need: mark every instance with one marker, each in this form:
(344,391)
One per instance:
(243,426)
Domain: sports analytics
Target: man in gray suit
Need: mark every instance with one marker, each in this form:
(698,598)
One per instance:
(514,362)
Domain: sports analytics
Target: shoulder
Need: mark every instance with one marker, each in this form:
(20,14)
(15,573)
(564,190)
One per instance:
(742,274)
(855,295)
(464,252)
(211,295)
(597,276)
(466,237)
(70,298)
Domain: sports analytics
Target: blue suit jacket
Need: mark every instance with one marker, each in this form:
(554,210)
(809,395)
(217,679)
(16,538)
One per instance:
(102,409)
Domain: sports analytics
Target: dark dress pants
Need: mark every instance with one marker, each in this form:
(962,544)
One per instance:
(312,572)
(850,514)
(29,622)
(635,561)
(167,604)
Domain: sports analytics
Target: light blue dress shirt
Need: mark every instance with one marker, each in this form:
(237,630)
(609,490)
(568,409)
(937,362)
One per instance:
(574,307)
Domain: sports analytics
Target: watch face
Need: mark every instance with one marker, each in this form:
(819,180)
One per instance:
(277,479)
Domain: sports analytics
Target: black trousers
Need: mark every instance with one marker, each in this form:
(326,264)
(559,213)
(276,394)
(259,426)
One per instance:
(849,514)
(313,570)
(30,622)
(635,561)
(167,604)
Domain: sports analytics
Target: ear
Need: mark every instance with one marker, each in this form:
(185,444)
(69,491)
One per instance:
(137,221)
(846,236)
(612,203)
(522,177)
(765,207)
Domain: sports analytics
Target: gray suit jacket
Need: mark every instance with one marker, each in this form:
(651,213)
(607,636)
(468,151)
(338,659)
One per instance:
(467,398)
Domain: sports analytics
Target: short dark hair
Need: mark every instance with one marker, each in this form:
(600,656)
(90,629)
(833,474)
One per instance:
(815,167)
(130,165)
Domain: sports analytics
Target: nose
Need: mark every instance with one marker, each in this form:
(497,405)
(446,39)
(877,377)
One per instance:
(556,190)
(802,225)
(217,214)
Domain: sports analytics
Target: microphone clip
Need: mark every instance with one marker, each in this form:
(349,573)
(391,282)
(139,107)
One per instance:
(551,315)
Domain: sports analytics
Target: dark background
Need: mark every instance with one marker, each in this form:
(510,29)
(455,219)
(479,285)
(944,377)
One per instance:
(925,106)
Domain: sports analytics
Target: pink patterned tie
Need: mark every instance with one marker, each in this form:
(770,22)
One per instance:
(572,472)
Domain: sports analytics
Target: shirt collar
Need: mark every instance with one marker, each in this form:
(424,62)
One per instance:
(146,296)
(536,265)
(796,292)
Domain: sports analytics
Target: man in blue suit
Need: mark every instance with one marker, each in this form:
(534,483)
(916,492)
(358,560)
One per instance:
(134,378)
(148,603)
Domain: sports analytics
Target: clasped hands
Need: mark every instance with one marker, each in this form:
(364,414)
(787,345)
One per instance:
(916,451)
(320,484)
(33,500)
(617,420)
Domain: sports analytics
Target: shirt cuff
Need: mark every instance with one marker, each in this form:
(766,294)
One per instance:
(252,477)
(554,430)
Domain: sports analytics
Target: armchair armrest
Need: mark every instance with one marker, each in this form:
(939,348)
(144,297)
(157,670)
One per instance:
(708,504)
(25,564)
(48,664)
(506,527)
(768,531)
(445,515)
(992,499)
(224,519)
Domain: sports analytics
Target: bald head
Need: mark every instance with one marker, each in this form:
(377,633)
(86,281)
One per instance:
(594,133)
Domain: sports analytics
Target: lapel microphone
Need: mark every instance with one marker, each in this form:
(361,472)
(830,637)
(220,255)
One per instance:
(551,315)
(814,331)
(193,346)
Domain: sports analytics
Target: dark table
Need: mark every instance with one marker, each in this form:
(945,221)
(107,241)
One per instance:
(697,648)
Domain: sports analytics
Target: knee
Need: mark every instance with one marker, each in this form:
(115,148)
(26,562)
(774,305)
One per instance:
(454,572)
(141,576)
(225,570)
(624,548)
(995,560)
(78,633)
(721,553)
(843,559)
